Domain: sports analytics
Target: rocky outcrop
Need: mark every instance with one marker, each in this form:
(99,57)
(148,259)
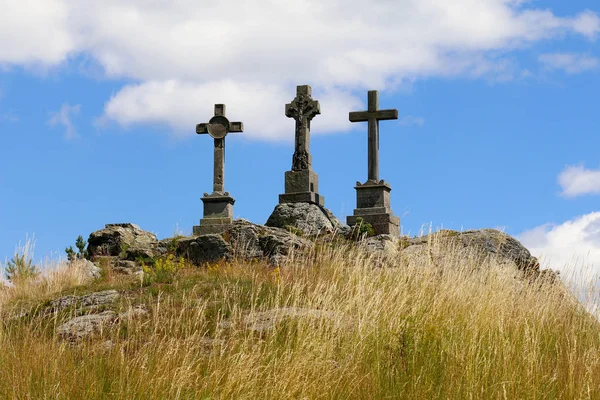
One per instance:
(306,217)
(126,241)
(243,240)
(92,300)
(84,326)
(441,248)
(205,248)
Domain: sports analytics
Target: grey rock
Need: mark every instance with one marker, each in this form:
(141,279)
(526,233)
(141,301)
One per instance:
(90,269)
(277,244)
(477,245)
(381,245)
(126,241)
(205,248)
(126,267)
(309,218)
(85,326)
(243,240)
(85,301)
(133,312)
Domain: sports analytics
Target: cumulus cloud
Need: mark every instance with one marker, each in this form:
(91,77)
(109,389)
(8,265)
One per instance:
(63,117)
(571,63)
(193,49)
(577,181)
(572,247)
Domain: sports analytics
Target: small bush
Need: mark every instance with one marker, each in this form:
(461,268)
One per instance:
(294,230)
(164,270)
(21,268)
(81,250)
(362,229)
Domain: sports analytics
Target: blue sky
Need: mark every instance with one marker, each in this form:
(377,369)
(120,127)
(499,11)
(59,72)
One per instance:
(497,103)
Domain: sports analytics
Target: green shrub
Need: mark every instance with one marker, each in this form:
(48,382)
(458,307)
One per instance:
(164,270)
(21,268)
(362,229)
(81,250)
(294,230)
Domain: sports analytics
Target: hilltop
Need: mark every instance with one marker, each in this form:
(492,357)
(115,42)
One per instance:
(259,312)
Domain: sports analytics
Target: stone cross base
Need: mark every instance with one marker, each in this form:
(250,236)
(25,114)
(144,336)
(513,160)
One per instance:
(218,214)
(373,206)
(382,223)
(302,187)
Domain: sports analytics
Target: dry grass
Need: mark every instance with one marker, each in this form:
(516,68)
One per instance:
(452,331)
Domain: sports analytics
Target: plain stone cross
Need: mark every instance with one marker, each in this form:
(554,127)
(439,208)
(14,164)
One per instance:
(218,127)
(302,109)
(373,115)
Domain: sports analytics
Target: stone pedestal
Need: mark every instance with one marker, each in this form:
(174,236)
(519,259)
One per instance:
(373,206)
(302,187)
(218,214)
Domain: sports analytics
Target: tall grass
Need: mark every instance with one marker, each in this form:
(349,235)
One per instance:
(327,324)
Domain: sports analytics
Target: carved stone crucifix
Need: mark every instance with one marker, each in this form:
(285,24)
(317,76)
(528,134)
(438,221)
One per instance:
(218,127)
(302,109)
(373,115)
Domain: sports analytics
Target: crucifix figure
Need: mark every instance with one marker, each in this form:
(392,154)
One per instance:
(373,115)
(302,109)
(218,127)
(218,206)
(302,183)
(373,197)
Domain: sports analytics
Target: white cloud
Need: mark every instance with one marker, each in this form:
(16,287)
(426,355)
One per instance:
(572,247)
(9,116)
(569,62)
(63,117)
(182,105)
(34,32)
(576,180)
(186,49)
(410,120)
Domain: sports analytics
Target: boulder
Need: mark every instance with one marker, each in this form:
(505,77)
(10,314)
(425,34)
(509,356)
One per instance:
(242,240)
(90,269)
(126,241)
(85,326)
(306,217)
(206,248)
(86,301)
(478,246)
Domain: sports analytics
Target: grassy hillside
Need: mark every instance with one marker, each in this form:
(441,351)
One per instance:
(334,323)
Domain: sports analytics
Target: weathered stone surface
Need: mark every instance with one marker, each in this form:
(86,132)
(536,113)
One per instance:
(89,269)
(386,245)
(126,267)
(133,312)
(242,240)
(277,244)
(486,242)
(477,246)
(85,301)
(205,248)
(85,326)
(126,241)
(309,218)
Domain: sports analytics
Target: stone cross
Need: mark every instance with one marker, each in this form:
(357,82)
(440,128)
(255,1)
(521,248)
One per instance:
(302,109)
(302,183)
(218,127)
(373,115)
